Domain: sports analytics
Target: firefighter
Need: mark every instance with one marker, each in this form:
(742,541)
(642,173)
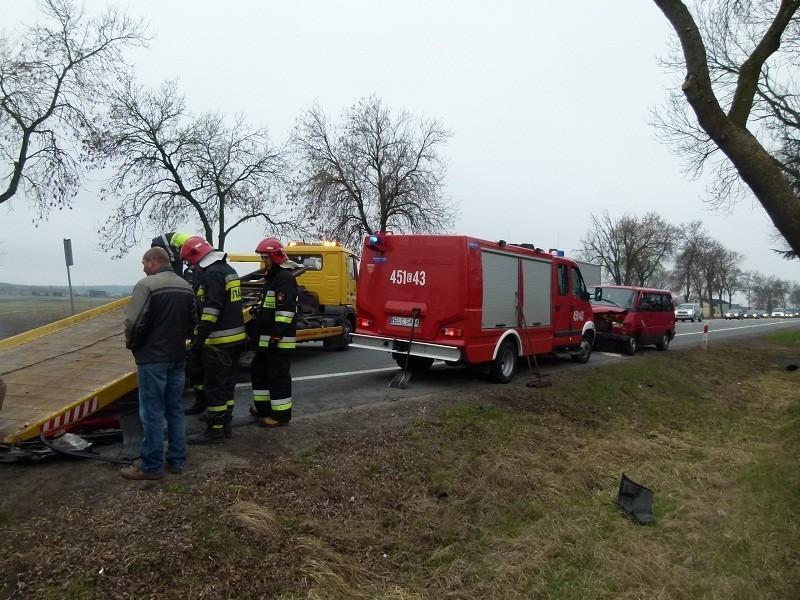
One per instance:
(172,242)
(219,335)
(275,330)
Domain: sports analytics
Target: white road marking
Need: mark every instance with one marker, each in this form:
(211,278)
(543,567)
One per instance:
(710,331)
(326,375)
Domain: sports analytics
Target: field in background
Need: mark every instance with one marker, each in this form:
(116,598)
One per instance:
(23,313)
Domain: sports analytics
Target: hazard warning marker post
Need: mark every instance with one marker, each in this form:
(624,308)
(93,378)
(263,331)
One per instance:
(705,336)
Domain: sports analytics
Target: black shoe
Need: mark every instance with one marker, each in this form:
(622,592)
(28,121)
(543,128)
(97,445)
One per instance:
(195,409)
(209,436)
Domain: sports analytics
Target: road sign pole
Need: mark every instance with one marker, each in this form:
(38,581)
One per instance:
(68,260)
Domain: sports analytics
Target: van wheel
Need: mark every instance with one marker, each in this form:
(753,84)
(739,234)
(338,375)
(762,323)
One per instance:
(631,346)
(416,364)
(664,343)
(505,363)
(582,357)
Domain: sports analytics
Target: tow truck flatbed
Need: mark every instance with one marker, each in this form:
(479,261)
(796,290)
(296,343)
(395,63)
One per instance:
(63,372)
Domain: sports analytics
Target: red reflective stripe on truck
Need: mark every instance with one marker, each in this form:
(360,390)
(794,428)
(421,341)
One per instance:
(71,416)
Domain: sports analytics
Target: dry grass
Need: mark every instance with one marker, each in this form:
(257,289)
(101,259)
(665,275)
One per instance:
(506,495)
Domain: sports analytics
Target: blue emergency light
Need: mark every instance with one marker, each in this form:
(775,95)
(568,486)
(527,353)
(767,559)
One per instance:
(377,241)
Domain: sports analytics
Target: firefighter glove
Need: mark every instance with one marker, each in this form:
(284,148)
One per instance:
(273,342)
(197,345)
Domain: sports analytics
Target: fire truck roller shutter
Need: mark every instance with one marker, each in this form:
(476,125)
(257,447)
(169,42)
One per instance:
(500,277)
(536,284)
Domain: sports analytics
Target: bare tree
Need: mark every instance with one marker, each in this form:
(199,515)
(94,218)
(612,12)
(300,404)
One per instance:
(794,295)
(171,169)
(739,57)
(375,171)
(692,238)
(631,249)
(50,79)
(769,291)
(708,263)
(729,274)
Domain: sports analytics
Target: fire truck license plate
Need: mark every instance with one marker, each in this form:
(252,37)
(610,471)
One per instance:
(403,321)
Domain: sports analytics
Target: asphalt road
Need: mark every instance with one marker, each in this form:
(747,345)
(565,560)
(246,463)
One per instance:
(326,381)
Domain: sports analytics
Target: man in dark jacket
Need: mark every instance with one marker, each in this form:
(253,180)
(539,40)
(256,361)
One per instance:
(275,328)
(159,319)
(172,242)
(219,335)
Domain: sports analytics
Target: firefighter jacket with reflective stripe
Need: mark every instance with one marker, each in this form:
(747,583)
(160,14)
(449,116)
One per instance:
(219,298)
(160,318)
(277,314)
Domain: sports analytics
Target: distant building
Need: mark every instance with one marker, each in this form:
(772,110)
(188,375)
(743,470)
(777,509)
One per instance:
(97,294)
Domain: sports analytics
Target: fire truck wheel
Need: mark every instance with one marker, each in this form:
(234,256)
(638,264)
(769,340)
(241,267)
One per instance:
(416,364)
(582,357)
(631,346)
(505,363)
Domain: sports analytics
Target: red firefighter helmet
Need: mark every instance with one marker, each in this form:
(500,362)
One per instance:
(272,248)
(194,249)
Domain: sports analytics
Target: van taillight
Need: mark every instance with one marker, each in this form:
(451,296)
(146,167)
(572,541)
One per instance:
(365,322)
(452,331)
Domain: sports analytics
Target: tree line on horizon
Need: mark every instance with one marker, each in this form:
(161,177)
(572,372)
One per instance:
(648,251)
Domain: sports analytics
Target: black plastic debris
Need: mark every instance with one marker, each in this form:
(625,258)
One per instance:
(790,363)
(636,501)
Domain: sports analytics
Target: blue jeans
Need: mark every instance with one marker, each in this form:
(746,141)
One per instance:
(160,397)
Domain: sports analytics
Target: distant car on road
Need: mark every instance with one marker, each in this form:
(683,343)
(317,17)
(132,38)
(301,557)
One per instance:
(779,312)
(752,314)
(734,313)
(763,312)
(688,311)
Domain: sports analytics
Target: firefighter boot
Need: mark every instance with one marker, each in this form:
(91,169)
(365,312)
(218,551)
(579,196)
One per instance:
(227,424)
(211,435)
(199,405)
(214,433)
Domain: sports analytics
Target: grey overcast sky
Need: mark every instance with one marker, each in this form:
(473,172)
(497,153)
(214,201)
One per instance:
(549,104)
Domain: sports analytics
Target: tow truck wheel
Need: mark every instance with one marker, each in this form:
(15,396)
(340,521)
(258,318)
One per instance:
(582,357)
(631,346)
(505,363)
(340,342)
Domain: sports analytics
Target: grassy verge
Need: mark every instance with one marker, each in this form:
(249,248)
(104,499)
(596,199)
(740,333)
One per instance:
(510,495)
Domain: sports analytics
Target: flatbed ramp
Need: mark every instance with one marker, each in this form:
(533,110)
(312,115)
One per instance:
(61,373)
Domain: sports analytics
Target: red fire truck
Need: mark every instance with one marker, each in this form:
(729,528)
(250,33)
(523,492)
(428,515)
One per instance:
(465,300)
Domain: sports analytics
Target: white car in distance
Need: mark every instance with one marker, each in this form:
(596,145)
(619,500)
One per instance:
(688,312)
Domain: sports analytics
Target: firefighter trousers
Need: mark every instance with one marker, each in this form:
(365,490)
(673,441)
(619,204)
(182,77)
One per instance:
(220,364)
(270,373)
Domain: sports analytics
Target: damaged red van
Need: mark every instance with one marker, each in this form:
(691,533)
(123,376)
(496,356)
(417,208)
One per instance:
(631,316)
